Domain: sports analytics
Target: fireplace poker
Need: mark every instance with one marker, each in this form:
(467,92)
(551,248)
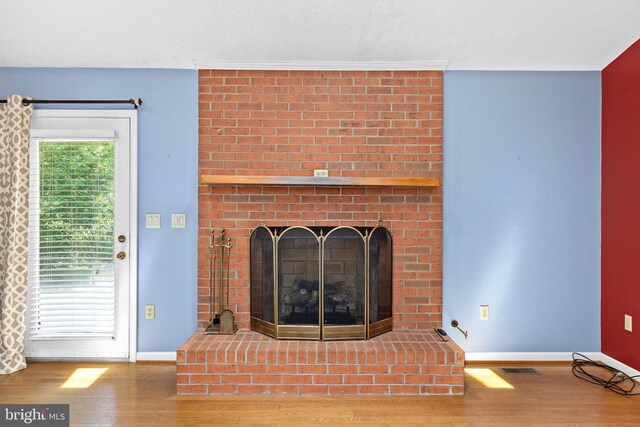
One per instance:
(221,245)
(212,275)
(228,269)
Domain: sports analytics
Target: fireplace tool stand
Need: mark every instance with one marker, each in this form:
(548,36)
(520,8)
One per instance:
(221,321)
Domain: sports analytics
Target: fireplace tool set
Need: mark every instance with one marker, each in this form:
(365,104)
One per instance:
(222,321)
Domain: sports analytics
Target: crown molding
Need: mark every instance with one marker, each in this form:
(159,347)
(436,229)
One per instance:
(324,65)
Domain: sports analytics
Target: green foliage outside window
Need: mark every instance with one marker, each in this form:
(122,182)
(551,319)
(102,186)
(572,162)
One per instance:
(77,192)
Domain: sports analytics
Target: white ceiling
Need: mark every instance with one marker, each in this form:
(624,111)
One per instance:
(470,34)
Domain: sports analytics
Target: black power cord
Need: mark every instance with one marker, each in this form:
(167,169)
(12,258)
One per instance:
(618,382)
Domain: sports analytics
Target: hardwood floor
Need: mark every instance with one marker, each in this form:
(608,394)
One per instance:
(144,394)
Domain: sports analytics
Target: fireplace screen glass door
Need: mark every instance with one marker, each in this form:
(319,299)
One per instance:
(321,283)
(344,278)
(298,278)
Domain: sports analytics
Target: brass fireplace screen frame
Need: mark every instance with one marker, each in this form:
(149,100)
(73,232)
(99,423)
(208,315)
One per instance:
(376,309)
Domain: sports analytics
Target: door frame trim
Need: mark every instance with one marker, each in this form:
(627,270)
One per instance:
(132,115)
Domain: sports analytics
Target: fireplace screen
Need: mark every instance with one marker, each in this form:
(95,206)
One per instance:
(321,283)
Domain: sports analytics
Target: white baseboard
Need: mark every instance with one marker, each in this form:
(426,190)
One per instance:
(618,365)
(527,357)
(548,357)
(156,356)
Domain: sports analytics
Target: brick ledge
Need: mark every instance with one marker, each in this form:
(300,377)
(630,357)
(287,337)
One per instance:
(399,362)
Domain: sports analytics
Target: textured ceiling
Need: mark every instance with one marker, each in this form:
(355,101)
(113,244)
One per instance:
(470,34)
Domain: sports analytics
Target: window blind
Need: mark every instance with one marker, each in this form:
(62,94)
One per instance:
(71,233)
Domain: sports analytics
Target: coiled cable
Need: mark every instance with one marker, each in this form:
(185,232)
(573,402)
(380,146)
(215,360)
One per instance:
(614,379)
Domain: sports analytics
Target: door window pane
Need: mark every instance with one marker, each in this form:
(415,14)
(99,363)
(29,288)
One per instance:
(72,286)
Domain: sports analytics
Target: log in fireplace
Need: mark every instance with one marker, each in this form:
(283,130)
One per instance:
(321,283)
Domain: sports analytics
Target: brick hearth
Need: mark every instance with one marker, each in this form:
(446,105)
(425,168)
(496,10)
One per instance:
(399,362)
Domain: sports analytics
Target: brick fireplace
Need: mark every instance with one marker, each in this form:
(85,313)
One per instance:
(369,124)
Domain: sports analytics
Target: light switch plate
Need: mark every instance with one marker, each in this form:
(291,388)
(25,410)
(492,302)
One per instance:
(178,220)
(628,323)
(153,220)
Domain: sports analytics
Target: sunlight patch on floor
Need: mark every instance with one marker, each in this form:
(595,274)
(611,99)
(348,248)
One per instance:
(83,377)
(488,378)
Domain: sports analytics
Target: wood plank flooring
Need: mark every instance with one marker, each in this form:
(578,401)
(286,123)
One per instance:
(144,394)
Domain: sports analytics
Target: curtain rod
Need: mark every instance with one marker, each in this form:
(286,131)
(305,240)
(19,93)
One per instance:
(137,102)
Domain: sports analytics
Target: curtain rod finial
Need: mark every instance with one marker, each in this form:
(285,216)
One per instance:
(137,102)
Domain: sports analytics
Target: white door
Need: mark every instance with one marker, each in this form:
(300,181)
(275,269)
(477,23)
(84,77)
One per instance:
(80,242)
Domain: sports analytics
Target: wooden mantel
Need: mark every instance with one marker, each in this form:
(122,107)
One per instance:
(318,181)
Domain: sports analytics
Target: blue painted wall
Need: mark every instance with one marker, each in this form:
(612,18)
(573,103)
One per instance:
(522,210)
(521,201)
(167,174)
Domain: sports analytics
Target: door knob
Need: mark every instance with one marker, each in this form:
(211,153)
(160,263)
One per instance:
(121,255)
(121,238)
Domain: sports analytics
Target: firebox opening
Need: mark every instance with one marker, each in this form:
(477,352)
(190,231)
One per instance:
(321,283)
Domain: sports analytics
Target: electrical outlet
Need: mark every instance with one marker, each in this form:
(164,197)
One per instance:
(153,221)
(484,312)
(628,323)
(321,173)
(150,312)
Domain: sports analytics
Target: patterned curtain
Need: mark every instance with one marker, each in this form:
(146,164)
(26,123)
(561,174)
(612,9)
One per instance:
(14,216)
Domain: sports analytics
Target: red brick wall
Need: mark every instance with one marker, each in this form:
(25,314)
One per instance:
(353,123)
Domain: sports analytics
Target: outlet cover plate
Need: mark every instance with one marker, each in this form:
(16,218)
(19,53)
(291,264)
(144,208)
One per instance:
(321,173)
(628,323)
(484,312)
(150,312)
